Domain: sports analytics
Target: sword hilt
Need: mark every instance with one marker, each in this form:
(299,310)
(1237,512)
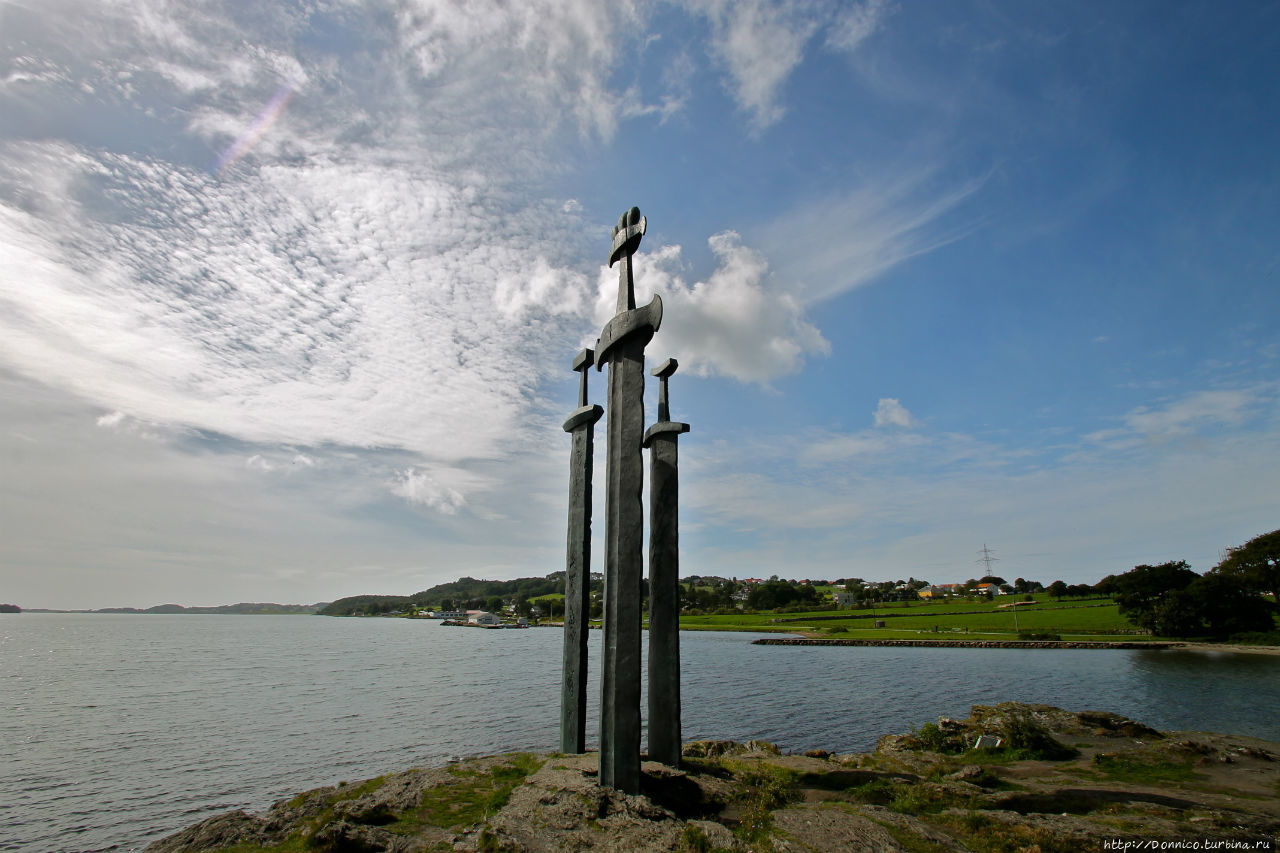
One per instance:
(626,239)
(582,364)
(663,372)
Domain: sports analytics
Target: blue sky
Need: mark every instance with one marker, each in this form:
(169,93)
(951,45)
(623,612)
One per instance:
(288,295)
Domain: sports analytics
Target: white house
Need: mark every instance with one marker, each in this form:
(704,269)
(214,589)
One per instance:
(844,599)
(483,619)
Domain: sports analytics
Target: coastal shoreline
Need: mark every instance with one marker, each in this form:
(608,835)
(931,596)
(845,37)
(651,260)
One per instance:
(971,644)
(1231,648)
(1178,645)
(1020,776)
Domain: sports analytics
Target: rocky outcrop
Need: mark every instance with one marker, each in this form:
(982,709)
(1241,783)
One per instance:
(1058,780)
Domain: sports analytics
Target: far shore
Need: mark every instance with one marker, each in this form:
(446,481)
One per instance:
(816,639)
(1230,647)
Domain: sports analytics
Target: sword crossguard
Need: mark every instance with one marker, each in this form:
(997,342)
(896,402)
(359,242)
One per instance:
(637,321)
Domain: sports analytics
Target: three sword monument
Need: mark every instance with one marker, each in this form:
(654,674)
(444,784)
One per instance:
(621,346)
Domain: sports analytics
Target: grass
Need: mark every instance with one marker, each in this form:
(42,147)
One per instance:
(469,801)
(476,795)
(301,841)
(1072,620)
(909,841)
(985,834)
(1139,768)
(764,788)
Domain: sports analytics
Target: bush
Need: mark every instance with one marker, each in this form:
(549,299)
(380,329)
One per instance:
(1028,739)
(934,739)
(1257,638)
(931,737)
(694,840)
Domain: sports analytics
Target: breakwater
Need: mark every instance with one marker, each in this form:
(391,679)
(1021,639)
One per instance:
(966,644)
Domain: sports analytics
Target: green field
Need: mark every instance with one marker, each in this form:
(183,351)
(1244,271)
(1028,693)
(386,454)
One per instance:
(1090,619)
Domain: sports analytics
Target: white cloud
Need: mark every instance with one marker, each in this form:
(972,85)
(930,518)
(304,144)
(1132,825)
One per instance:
(891,412)
(738,322)
(419,487)
(363,273)
(121,423)
(759,43)
(553,55)
(112,420)
(256,462)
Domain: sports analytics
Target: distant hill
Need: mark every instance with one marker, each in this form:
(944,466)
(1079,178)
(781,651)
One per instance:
(462,593)
(250,608)
(10,608)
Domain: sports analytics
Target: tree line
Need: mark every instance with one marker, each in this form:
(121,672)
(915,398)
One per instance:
(1231,599)
(1168,599)
(465,593)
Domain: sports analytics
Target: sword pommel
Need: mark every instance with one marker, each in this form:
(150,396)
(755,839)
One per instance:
(626,235)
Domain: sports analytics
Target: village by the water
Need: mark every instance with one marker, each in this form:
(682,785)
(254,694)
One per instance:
(987,607)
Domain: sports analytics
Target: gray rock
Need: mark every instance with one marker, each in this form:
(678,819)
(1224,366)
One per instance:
(224,830)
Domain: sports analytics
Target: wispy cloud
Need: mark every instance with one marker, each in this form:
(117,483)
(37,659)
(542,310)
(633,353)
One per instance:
(878,503)
(332,288)
(832,245)
(759,43)
(855,23)
(1194,417)
(1203,409)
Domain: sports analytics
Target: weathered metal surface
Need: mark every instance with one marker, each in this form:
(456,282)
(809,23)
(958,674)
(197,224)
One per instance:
(664,573)
(577,592)
(623,326)
(626,239)
(628,333)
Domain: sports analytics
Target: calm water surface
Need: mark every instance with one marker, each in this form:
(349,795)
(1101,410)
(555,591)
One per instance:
(117,729)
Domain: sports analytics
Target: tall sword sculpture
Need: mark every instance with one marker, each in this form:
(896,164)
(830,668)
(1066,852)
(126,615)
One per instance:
(664,574)
(577,586)
(621,346)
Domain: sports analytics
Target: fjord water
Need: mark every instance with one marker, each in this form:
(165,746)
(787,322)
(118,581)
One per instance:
(118,729)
